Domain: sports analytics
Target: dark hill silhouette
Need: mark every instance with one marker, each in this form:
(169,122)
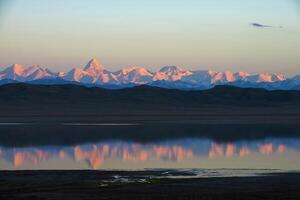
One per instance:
(28,102)
(143,95)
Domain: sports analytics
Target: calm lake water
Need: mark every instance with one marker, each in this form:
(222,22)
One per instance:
(35,148)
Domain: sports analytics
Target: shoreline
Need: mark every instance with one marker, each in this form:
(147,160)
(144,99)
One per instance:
(101,185)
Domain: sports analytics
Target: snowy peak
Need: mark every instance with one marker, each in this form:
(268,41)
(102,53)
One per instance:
(20,73)
(222,77)
(171,73)
(208,78)
(241,74)
(75,74)
(265,77)
(15,69)
(93,63)
(171,69)
(37,72)
(167,76)
(92,73)
(199,77)
(94,68)
(136,75)
(136,70)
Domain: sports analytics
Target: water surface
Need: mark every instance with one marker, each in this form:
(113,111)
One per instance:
(204,149)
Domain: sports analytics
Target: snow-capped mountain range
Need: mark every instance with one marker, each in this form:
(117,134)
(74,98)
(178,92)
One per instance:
(94,74)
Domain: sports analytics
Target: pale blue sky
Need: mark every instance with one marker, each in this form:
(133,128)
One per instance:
(195,34)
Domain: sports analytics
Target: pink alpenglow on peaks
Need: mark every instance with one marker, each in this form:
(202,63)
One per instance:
(265,77)
(167,77)
(20,73)
(94,68)
(92,73)
(171,73)
(137,75)
(14,71)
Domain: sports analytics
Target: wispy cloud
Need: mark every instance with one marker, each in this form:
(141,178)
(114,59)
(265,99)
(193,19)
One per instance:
(257,25)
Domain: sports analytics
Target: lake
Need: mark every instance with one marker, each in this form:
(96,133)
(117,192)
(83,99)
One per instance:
(209,150)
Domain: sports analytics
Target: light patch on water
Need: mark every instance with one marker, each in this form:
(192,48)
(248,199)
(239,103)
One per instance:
(13,124)
(97,124)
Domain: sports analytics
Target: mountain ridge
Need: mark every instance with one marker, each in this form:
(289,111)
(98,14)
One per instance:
(170,77)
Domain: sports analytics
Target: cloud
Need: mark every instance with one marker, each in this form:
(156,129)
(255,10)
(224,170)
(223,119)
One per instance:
(257,25)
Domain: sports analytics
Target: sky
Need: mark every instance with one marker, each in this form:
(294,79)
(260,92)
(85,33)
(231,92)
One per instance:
(254,36)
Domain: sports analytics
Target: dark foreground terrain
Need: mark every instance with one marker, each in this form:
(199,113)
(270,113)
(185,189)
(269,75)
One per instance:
(143,185)
(144,104)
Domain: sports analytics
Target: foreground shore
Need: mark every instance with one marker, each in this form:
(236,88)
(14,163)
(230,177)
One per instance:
(144,185)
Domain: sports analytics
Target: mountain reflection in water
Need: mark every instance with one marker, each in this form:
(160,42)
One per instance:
(178,153)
